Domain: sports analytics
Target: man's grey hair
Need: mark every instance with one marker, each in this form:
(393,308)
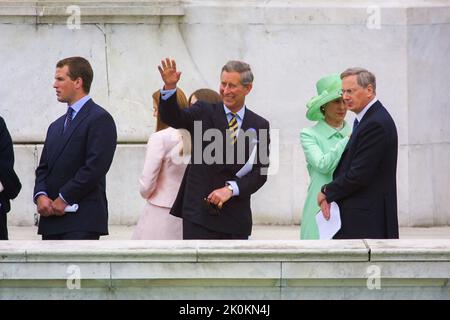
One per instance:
(363,77)
(242,68)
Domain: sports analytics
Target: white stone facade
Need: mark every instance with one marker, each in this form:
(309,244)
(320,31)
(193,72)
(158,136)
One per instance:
(289,44)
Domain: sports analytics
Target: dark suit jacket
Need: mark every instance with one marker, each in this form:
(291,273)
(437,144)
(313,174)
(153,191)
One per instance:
(364,184)
(75,163)
(203,176)
(8,177)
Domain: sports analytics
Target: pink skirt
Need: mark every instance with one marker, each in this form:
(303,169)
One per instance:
(156,223)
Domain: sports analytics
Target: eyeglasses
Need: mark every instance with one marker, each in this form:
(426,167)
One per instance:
(349,91)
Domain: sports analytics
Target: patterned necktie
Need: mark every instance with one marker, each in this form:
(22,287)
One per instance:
(68,118)
(355,125)
(233,127)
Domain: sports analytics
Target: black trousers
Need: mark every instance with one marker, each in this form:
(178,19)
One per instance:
(193,231)
(3,226)
(74,235)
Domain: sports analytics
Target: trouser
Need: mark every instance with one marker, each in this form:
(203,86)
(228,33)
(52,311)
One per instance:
(193,231)
(3,226)
(73,235)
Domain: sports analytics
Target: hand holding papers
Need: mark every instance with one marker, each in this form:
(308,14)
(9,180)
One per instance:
(328,228)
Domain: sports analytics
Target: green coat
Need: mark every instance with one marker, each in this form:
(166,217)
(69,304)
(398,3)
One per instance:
(323,146)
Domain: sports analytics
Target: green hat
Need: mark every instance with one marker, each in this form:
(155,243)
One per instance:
(329,88)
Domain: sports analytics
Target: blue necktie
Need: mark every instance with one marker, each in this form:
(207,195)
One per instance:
(355,125)
(68,118)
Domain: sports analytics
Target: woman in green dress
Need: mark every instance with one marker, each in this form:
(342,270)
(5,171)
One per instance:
(323,145)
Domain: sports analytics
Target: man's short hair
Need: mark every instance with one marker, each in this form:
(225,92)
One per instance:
(78,68)
(242,68)
(363,77)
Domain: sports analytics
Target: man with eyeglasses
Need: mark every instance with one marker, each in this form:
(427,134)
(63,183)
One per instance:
(364,182)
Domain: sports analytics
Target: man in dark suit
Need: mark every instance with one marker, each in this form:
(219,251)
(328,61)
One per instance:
(77,154)
(9,182)
(364,182)
(229,159)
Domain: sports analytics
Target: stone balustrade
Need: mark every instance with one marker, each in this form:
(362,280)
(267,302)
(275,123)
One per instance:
(289,44)
(259,270)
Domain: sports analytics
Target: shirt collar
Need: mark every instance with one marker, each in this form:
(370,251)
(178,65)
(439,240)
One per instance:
(240,114)
(329,131)
(360,115)
(80,103)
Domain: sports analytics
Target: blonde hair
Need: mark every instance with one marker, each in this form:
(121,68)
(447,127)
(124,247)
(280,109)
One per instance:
(182,103)
(161,125)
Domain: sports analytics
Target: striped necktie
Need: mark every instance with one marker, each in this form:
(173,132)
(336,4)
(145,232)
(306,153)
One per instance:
(233,127)
(68,118)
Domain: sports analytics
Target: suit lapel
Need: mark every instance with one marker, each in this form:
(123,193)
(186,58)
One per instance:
(372,110)
(220,122)
(364,120)
(220,118)
(65,137)
(247,123)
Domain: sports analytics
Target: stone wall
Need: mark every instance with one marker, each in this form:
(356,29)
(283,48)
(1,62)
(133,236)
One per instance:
(208,270)
(290,45)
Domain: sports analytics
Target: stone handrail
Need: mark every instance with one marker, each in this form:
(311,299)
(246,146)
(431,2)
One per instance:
(354,269)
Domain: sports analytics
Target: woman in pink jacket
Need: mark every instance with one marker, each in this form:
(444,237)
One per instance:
(165,162)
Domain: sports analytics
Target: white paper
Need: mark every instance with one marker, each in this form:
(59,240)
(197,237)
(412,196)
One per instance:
(72,208)
(327,229)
